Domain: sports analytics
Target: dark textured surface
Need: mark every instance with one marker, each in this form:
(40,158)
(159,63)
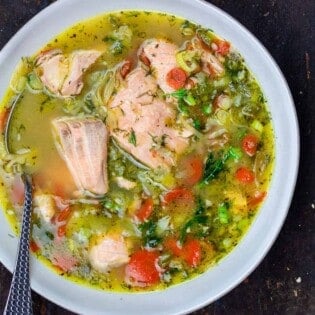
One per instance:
(284,282)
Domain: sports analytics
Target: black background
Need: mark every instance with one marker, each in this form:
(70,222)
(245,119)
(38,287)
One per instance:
(284,281)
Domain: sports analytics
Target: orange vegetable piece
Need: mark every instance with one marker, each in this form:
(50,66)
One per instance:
(142,268)
(249,144)
(244,175)
(145,210)
(176,78)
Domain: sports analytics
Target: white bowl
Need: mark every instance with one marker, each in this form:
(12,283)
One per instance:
(247,255)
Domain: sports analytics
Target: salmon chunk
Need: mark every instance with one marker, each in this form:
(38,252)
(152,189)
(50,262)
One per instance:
(44,206)
(162,57)
(110,252)
(52,69)
(144,125)
(139,87)
(82,143)
(147,133)
(63,75)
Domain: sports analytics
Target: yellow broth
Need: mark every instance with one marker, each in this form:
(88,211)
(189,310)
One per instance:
(222,208)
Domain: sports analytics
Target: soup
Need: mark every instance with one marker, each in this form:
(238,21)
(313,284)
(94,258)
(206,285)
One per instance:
(150,150)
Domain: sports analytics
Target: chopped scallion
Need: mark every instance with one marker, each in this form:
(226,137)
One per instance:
(257,125)
(223,212)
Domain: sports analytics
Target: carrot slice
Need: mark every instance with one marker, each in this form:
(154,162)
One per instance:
(190,252)
(249,144)
(192,169)
(64,215)
(34,247)
(61,230)
(176,78)
(145,210)
(142,269)
(257,198)
(223,47)
(3,118)
(125,68)
(178,194)
(244,175)
(144,58)
(172,245)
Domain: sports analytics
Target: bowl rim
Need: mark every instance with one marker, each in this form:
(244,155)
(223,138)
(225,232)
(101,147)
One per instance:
(160,299)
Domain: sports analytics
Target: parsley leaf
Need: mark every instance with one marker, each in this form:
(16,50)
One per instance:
(215,166)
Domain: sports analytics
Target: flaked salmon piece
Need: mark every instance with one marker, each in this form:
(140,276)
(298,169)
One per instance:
(63,75)
(79,62)
(110,252)
(162,57)
(44,206)
(139,87)
(82,143)
(52,69)
(147,132)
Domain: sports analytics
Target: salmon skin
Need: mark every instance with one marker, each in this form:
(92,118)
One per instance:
(82,144)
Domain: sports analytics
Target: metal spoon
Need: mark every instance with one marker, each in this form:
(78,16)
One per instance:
(19,300)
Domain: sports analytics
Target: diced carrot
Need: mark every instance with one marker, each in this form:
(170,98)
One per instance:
(176,78)
(223,46)
(3,118)
(244,175)
(173,246)
(125,68)
(64,215)
(142,269)
(144,58)
(145,210)
(257,198)
(190,252)
(34,247)
(192,168)
(249,144)
(181,193)
(62,230)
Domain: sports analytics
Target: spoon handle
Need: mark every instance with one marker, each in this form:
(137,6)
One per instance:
(19,300)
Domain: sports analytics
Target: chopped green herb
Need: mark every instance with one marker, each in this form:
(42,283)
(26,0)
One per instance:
(49,235)
(197,124)
(182,107)
(196,224)
(179,94)
(116,48)
(149,234)
(132,138)
(214,167)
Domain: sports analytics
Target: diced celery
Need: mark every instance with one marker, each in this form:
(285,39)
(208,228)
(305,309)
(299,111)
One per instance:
(207,109)
(187,60)
(190,100)
(223,213)
(257,125)
(236,153)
